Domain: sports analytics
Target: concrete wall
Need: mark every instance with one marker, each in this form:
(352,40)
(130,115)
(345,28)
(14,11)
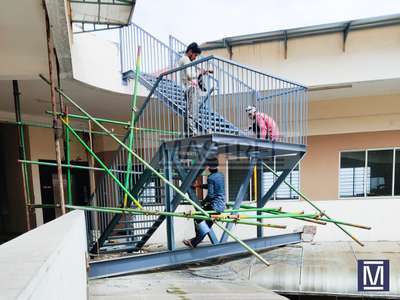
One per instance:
(48,262)
(97,62)
(371,54)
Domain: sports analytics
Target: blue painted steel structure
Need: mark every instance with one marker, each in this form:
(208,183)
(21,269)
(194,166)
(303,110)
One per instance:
(222,129)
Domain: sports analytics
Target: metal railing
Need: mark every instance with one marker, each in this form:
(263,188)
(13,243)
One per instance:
(215,102)
(157,56)
(220,102)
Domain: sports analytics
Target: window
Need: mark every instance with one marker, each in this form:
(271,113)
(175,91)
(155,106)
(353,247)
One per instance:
(352,166)
(369,173)
(380,173)
(397,173)
(283,192)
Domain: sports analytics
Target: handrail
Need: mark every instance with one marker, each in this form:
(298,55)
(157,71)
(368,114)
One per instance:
(209,57)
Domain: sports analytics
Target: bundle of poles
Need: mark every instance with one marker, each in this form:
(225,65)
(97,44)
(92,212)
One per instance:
(245,215)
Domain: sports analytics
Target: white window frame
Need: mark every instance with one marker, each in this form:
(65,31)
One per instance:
(394,149)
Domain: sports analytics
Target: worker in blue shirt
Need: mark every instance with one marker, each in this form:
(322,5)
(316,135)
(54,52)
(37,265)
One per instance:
(214,201)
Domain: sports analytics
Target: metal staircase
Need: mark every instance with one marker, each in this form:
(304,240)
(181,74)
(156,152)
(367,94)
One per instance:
(230,89)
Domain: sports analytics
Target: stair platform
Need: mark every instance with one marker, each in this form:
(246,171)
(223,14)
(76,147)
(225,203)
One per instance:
(240,146)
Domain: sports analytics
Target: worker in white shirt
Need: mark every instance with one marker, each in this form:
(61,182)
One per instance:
(189,80)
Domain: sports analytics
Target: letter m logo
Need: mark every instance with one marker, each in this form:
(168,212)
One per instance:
(373,275)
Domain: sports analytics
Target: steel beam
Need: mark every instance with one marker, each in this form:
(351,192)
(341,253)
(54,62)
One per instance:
(290,165)
(169,194)
(168,259)
(183,174)
(240,196)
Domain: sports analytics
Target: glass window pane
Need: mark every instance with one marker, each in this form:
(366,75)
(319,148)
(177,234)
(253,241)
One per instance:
(397,174)
(351,176)
(379,173)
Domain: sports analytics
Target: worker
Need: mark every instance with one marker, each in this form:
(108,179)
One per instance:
(215,201)
(190,78)
(262,125)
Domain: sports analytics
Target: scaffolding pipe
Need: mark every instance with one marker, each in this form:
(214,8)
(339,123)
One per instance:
(56,125)
(67,150)
(170,214)
(22,153)
(131,132)
(44,163)
(316,207)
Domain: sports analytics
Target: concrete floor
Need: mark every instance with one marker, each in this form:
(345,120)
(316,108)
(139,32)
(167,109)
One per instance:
(328,268)
(180,285)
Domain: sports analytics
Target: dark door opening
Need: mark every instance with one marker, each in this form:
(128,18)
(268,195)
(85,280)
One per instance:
(49,187)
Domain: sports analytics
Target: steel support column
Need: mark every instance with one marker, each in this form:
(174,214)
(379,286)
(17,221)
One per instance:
(240,196)
(290,164)
(260,229)
(183,174)
(141,263)
(169,194)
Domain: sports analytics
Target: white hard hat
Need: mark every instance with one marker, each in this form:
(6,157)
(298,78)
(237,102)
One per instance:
(250,109)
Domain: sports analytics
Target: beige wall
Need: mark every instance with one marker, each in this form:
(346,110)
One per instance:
(41,146)
(357,114)
(320,167)
(371,54)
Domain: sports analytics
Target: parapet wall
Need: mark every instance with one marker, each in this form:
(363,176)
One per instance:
(48,262)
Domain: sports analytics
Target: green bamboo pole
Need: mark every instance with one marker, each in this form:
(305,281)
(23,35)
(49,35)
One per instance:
(183,195)
(131,125)
(44,125)
(171,214)
(43,163)
(101,163)
(122,123)
(68,159)
(313,205)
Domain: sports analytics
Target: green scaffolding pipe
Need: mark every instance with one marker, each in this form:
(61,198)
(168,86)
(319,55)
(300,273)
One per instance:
(43,163)
(122,123)
(315,207)
(280,216)
(244,245)
(170,214)
(131,125)
(101,163)
(68,158)
(43,125)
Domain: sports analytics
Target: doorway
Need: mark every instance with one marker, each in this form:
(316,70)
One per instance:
(49,187)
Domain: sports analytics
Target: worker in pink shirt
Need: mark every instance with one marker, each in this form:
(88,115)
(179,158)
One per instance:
(263,125)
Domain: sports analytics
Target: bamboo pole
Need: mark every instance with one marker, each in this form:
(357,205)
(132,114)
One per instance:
(44,163)
(170,214)
(102,164)
(314,206)
(132,132)
(56,125)
(68,159)
(122,123)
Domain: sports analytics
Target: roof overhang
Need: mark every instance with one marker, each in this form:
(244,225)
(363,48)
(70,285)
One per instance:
(281,35)
(105,12)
